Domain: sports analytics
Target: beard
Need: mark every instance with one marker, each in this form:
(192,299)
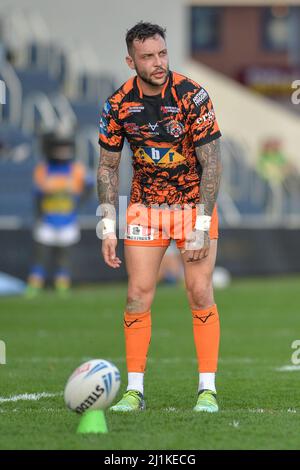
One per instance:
(151,81)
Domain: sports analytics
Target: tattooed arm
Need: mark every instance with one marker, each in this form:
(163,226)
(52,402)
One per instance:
(108,190)
(209,156)
(108,178)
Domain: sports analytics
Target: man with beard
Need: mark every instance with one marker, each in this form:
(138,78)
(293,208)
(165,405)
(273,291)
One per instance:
(170,124)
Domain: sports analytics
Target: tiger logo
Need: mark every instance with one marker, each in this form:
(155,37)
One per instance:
(175,128)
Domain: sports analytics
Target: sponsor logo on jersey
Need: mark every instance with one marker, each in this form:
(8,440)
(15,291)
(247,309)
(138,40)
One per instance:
(137,232)
(158,155)
(103,126)
(136,109)
(169,109)
(210,116)
(153,127)
(200,97)
(106,107)
(131,128)
(175,128)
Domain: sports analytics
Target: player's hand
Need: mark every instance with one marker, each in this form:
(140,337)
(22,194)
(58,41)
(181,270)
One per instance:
(109,245)
(196,245)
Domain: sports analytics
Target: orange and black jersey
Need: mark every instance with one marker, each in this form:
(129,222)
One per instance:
(163,131)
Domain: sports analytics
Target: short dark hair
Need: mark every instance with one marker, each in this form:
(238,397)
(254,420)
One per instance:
(142,31)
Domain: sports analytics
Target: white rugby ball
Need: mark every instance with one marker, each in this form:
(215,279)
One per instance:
(92,386)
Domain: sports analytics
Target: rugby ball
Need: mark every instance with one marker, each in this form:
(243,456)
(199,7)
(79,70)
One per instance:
(92,386)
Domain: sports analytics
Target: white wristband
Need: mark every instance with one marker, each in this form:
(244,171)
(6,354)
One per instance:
(203,223)
(108,226)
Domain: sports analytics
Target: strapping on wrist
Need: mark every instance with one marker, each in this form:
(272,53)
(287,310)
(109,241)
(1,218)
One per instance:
(203,223)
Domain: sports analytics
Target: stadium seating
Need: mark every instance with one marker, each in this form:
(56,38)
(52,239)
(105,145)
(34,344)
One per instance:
(37,80)
(247,194)
(19,149)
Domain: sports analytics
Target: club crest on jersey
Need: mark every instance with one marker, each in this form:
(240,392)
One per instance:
(175,128)
(159,155)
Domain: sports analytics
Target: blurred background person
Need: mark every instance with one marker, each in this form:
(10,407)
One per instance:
(273,164)
(281,175)
(60,185)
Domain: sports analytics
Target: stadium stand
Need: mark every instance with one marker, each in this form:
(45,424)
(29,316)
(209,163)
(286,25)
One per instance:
(247,120)
(42,92)
(48,86)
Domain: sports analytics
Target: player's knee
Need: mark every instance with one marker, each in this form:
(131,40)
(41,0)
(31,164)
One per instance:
(139,299)
(200,294)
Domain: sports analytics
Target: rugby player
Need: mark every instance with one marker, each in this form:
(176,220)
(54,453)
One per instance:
(170,124)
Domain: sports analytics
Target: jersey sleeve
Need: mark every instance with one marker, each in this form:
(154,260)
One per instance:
(203,123)
(111,133)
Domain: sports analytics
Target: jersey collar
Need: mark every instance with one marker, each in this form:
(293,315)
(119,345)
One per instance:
(140,91)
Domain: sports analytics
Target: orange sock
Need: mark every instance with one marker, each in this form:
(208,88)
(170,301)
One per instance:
(137,329)
(206,327)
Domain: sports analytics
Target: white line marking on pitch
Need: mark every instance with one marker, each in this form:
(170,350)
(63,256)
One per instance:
(287,368)
(29,396)
(31,410)
(50,359)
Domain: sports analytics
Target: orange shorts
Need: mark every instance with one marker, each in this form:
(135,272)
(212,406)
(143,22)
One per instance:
(156,227)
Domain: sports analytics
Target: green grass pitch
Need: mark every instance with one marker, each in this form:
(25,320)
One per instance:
(47,337)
